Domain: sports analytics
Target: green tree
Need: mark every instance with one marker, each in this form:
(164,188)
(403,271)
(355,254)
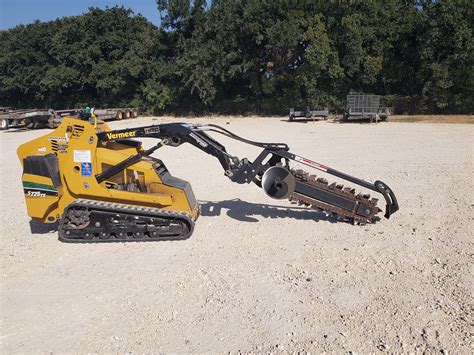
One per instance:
(102,57)
(246,56)
(447,53)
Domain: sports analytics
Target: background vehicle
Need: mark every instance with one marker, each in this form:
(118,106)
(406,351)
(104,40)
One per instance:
(365,106)
(42,118)
(308,114)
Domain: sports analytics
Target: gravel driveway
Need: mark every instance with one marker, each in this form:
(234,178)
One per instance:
(260,274)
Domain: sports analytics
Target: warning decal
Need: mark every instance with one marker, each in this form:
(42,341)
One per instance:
(86,169)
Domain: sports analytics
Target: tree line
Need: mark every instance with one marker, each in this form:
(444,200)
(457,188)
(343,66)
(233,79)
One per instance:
(247,56)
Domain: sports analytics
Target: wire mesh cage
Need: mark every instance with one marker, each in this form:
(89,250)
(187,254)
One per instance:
(362,103)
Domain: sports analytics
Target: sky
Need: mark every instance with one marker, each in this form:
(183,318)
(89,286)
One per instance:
(22,12)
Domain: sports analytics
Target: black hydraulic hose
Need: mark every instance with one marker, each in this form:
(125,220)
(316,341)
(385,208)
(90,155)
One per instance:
(229,134)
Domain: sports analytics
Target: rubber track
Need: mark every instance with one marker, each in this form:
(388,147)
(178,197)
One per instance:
(129,210)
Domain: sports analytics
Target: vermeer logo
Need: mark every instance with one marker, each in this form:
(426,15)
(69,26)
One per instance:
(121,135)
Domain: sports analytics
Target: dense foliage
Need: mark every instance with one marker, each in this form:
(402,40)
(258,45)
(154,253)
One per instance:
(234,56)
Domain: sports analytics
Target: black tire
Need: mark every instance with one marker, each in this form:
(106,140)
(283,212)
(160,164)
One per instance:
(35,124)
(39,125)
(134,113)
(4,124)
(127,114)
(29,124)
(119,115)
(52,123)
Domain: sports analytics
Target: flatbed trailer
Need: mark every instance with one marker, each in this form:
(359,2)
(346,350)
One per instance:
(365,106)
(308,114)
(42,118)
(116,113)
(33,118)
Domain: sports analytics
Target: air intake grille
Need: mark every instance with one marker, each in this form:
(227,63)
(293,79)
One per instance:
(54,146)
(77,131)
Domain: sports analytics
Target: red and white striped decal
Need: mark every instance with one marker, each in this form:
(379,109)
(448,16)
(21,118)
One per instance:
(311,163)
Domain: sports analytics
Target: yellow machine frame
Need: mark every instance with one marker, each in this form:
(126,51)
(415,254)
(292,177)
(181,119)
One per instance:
(80,158)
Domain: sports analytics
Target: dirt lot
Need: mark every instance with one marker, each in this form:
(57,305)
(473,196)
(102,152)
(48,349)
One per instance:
(258,274)
(434,118)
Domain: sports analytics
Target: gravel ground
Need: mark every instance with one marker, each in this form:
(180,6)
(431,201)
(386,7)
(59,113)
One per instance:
(259,274)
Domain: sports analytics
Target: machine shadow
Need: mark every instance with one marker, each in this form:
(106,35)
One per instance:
(42,228)
(24,129)
(237,209)
(16,130)
(304,120)
(244,211)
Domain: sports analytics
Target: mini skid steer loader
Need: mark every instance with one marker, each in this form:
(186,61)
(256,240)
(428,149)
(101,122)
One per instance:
(102,185)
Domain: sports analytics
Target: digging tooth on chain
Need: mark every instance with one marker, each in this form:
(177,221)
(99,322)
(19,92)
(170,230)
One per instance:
(336,189)
(322,181)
